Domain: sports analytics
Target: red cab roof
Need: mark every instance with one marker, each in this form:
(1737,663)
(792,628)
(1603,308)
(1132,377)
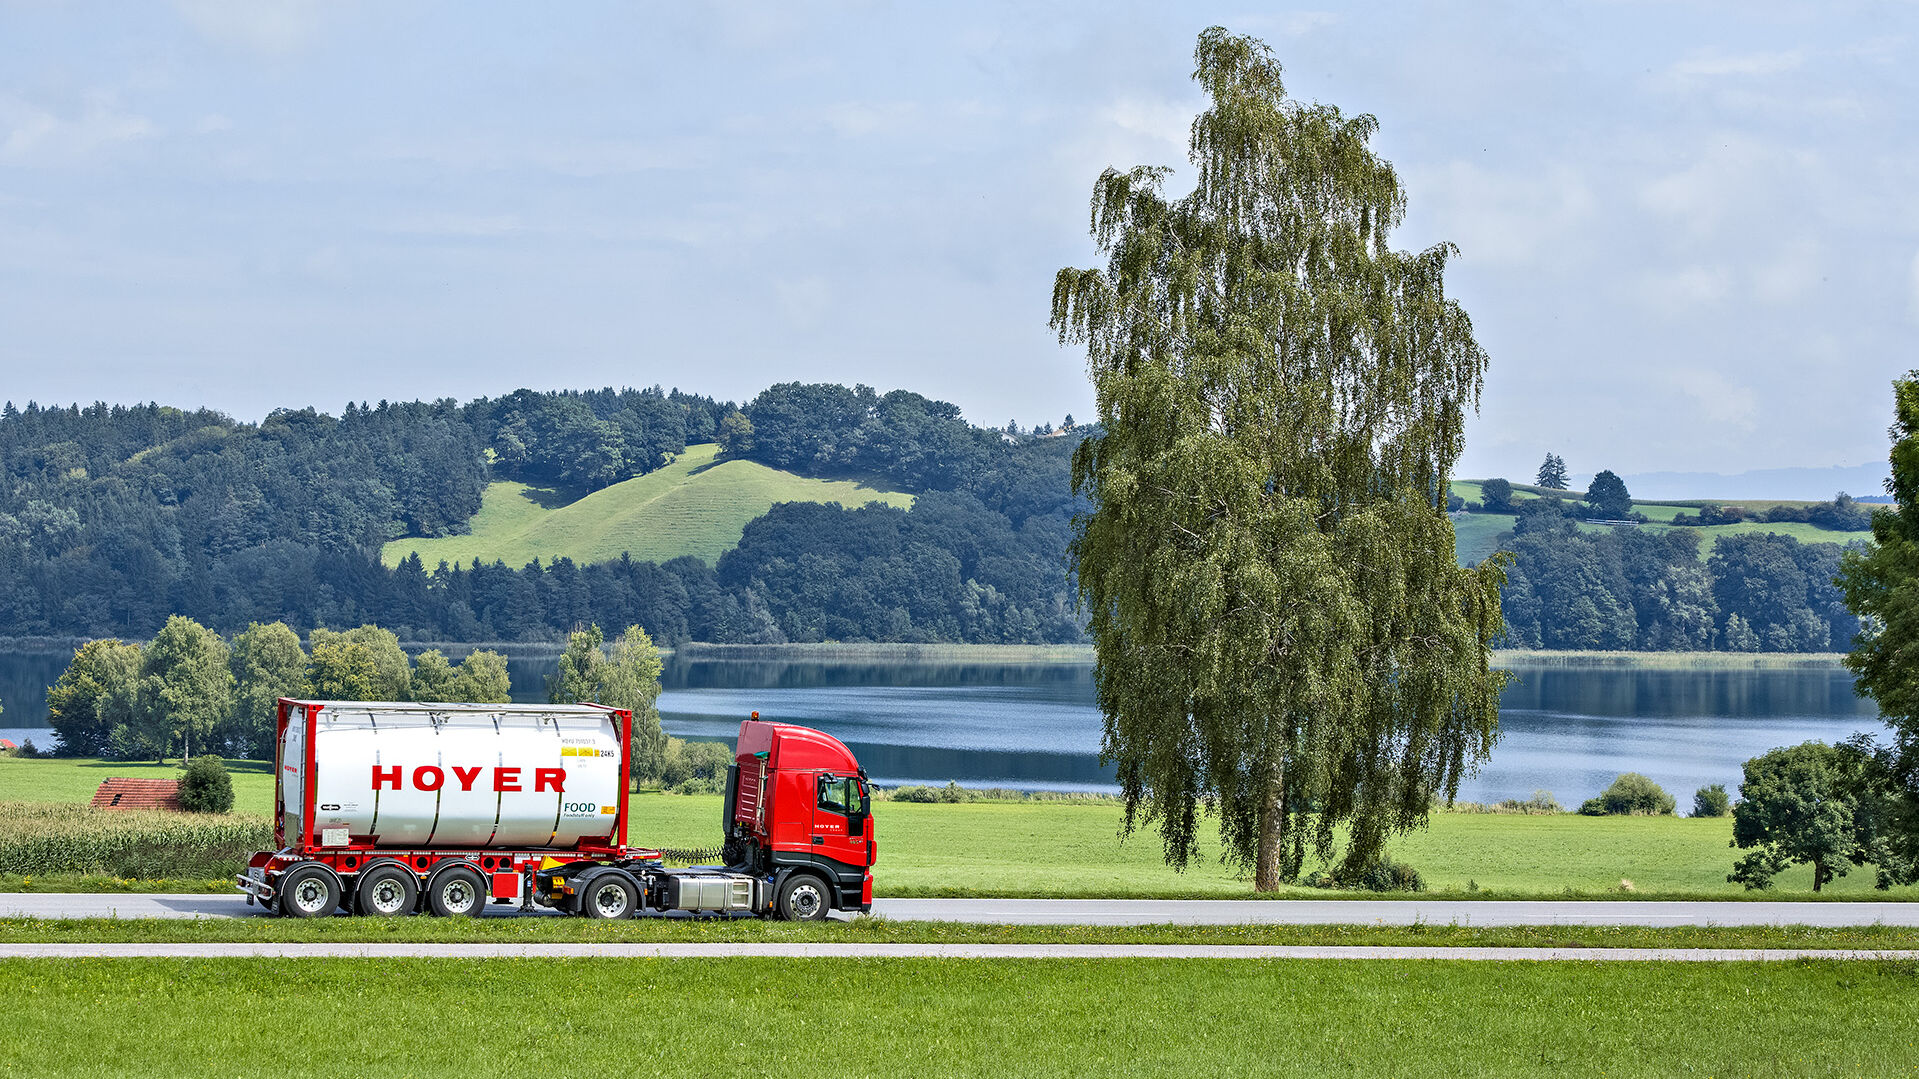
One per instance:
(789,746)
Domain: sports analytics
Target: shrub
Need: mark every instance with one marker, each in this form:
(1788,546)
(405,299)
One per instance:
(46,838)
(913,794)
(1383,874)
(695,767)
(1711,801)
(1630,793)
(205,786)
(1542,801)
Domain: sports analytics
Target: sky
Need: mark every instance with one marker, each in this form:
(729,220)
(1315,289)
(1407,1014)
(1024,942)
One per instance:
(1689,236)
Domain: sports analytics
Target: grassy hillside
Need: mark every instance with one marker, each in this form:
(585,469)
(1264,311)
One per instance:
(695,505)
(1476,534)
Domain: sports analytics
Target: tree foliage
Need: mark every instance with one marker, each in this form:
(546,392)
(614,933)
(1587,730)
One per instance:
(1608,497)
(1283,634)
(93,696)
(267,663)
(1552,473)
(628,678)
(185,689)
(1813,804)
(1881,586)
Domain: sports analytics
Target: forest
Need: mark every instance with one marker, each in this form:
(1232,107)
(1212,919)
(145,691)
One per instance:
(113,518)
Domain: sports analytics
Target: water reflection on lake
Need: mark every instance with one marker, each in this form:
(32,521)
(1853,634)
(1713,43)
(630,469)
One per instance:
(1035,726)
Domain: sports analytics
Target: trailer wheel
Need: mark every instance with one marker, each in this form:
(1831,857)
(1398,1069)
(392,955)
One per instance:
(386,891)
(457,893)
(803,898)
(609,896)
(308,891)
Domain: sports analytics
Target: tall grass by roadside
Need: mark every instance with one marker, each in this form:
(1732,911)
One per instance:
(40,838)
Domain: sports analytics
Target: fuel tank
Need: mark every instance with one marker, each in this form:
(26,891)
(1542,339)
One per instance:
(376,774)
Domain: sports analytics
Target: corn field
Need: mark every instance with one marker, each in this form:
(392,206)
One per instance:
(39,838)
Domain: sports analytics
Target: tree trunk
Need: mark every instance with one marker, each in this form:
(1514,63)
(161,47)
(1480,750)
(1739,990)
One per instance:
(1818,875)
(1272,820)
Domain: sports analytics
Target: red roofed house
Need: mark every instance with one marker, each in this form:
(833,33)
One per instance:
(7,743)
(138,794)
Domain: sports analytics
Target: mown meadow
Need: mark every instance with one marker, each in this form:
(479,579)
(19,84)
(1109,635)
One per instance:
(984,848)
(1028,1017)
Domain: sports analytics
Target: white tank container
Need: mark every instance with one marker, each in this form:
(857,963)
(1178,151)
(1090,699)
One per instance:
(452,775)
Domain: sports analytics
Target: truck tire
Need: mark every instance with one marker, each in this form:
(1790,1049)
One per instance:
(308,891)
(804,898)
(456,893)
(609,896)
(387,891)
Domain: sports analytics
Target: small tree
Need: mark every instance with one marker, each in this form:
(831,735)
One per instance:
(1630,793)
(1711,801)
(267,663)
(205,786)
(432,677)
(1552,473)
(1811,803)
(185,687)
(342,670)
(736,434)
(391,675)
(94,696)
(482,679)
(629,679)
(1608,497)
(1496,496)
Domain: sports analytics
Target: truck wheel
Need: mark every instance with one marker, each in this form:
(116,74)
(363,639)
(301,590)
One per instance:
(803,898)
(308,891)
(609,896)
(457,893)
(386,891)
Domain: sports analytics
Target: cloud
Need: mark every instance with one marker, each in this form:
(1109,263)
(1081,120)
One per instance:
(1711,65)
(32,135)
(1785,278)
(578,158)
(1502,218)
(854,119)
(466,226)
(1914,282)
(1684,290)
(1718,400)
(266,27)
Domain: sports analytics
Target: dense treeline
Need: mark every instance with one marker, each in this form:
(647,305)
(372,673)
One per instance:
(1628,589)
(114,518)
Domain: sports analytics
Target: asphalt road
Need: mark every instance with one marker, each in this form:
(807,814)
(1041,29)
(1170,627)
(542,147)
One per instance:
(1136,911)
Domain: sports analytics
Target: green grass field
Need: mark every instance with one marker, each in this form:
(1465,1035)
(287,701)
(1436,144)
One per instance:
(554,929)
(1069,849)
(894,1017)
(74,779)
(693,506)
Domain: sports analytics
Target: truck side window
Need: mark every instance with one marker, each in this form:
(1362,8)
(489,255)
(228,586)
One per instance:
(843,794)
(833,793)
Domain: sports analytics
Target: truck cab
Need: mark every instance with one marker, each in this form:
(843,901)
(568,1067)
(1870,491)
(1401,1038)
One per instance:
(798,810)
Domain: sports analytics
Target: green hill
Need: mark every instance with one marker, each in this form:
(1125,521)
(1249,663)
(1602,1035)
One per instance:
(1475,535)
(696,505)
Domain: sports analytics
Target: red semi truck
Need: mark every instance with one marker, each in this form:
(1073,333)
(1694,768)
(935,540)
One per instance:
(385,808)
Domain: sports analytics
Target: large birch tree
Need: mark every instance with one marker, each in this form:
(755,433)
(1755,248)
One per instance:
(1284,638)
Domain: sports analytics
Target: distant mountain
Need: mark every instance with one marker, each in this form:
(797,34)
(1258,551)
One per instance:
(1808,484)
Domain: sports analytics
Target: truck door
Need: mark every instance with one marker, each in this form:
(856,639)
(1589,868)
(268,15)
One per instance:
(840,819)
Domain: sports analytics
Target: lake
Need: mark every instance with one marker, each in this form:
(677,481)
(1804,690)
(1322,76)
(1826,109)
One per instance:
(1035,726)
